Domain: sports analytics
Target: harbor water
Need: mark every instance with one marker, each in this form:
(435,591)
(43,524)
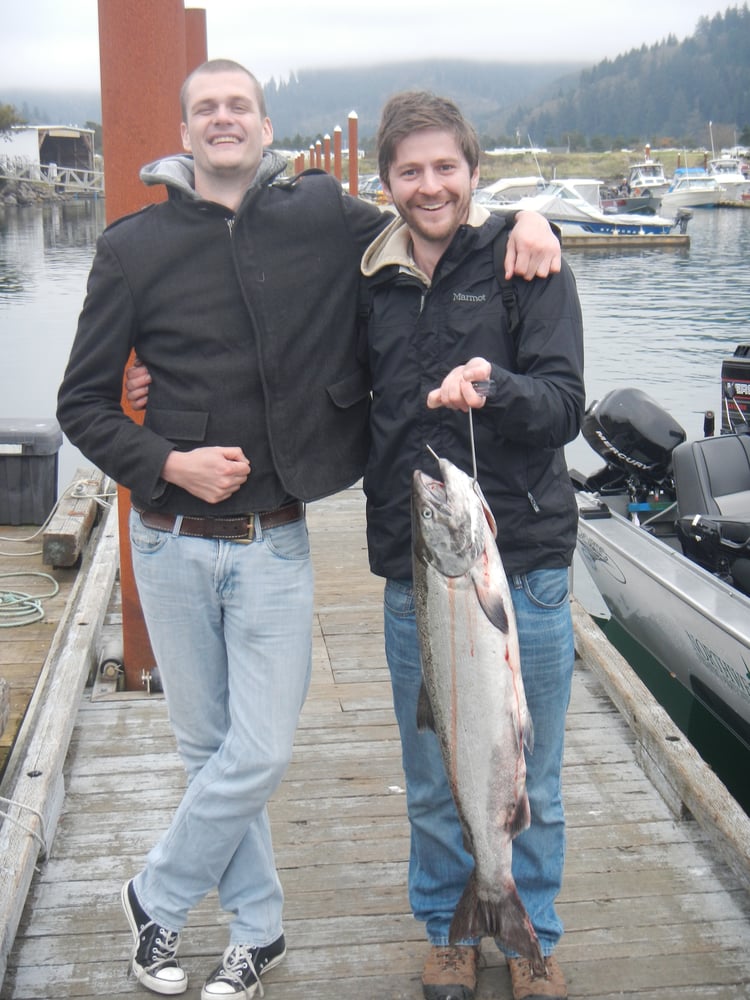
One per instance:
(659,319)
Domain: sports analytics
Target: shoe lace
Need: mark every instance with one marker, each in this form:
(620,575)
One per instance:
(238,960)
(164,946)
(452,959)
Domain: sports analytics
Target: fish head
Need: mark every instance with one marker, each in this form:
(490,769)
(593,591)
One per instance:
(449,520)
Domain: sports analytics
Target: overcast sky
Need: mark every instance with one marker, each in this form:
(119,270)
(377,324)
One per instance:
(46,43)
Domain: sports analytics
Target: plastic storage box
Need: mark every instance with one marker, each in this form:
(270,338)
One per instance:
(28,469)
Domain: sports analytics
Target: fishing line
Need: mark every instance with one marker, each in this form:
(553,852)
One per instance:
(473,449)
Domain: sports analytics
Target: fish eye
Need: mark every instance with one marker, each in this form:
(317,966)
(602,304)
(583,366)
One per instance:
(427,513)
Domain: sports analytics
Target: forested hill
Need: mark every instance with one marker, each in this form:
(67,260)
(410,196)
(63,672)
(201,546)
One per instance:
(663,93)
(667,90)
(313,102)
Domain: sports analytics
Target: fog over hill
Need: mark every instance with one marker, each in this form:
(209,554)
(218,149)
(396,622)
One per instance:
(668,92)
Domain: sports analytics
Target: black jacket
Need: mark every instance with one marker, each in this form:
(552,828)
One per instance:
(417,334)
(249,327)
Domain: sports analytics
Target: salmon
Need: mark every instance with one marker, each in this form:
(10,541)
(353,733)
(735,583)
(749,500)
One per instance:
(473,697)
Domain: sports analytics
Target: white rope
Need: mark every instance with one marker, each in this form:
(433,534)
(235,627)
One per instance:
(39,837)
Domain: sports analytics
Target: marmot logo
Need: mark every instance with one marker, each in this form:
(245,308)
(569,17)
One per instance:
(465,297)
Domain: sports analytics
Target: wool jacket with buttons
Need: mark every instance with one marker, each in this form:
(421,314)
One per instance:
(249,326)
(419,330)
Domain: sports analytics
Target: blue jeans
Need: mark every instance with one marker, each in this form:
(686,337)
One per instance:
(439,865)
(231,629)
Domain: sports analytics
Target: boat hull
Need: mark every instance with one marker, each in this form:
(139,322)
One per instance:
(694,624)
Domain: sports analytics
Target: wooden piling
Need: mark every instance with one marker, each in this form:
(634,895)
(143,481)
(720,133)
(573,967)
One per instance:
(353,153)
(337,152)
(196,44)
(143,55)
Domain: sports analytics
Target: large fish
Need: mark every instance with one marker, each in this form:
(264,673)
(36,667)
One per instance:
(473,696)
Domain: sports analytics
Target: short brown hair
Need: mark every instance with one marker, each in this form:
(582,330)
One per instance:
(222,66)
(414,110)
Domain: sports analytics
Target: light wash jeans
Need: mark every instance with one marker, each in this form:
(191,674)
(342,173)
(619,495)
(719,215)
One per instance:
(231,627)
(439,865)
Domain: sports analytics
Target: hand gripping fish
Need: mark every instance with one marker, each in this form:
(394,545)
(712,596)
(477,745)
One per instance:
(472,696)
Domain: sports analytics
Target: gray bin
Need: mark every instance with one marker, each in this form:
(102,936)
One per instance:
(28,469)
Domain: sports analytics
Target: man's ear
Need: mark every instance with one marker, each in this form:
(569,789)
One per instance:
(185,137)
(267,132)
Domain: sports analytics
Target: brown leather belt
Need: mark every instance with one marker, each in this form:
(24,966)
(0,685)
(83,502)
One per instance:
(232,529)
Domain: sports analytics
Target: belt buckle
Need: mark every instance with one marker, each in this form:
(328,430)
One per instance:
(250,536)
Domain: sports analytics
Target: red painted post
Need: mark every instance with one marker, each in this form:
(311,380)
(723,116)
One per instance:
(312,156)
(353,154)
(318,154)
(142,57)
(196,44)
(337,153)
(327,153)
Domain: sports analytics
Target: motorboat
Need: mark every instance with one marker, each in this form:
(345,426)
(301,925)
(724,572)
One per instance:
(647,179)
(508,189)
(641,191)
(574,205)
(728,172)
(664,532)
(691,187)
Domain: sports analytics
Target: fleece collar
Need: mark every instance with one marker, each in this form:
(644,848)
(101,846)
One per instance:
(178,173)
(394,247)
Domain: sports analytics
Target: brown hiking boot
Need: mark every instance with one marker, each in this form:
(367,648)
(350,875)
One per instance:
(450,972)
(527,986)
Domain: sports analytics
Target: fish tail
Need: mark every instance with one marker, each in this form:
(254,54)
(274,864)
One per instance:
(502,917)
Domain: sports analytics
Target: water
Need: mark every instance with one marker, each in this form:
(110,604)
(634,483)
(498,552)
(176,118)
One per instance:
(662,320)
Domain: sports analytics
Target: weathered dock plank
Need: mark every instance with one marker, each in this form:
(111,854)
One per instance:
(652,910)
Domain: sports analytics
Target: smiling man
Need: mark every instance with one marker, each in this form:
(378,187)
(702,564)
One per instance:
(438,322)
(228,291)
(241,295)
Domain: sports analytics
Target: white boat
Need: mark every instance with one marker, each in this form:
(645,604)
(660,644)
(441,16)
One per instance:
(574,204)
(728,172)
(647,178)
(508,189)
(664,532)
(642,189)
(691,187)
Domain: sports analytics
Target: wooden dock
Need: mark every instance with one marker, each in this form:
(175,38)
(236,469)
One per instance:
(656,904)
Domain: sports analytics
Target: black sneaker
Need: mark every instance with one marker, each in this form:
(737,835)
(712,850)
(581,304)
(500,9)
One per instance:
(240,970)
(154,957)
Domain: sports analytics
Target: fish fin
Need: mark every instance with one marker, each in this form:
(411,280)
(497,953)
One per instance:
(502,917)
(490,602)
(425,716)
(521,818)
(527,731)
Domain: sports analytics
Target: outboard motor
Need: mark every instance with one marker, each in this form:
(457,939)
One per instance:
(636,437)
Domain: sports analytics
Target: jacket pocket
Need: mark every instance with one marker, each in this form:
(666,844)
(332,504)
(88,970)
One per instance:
(178,425)
(350,390)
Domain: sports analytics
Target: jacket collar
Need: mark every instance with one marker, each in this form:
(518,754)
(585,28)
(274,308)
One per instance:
(178,173)
(393,247)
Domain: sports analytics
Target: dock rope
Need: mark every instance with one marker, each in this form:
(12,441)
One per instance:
(16,607)
(39,837)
